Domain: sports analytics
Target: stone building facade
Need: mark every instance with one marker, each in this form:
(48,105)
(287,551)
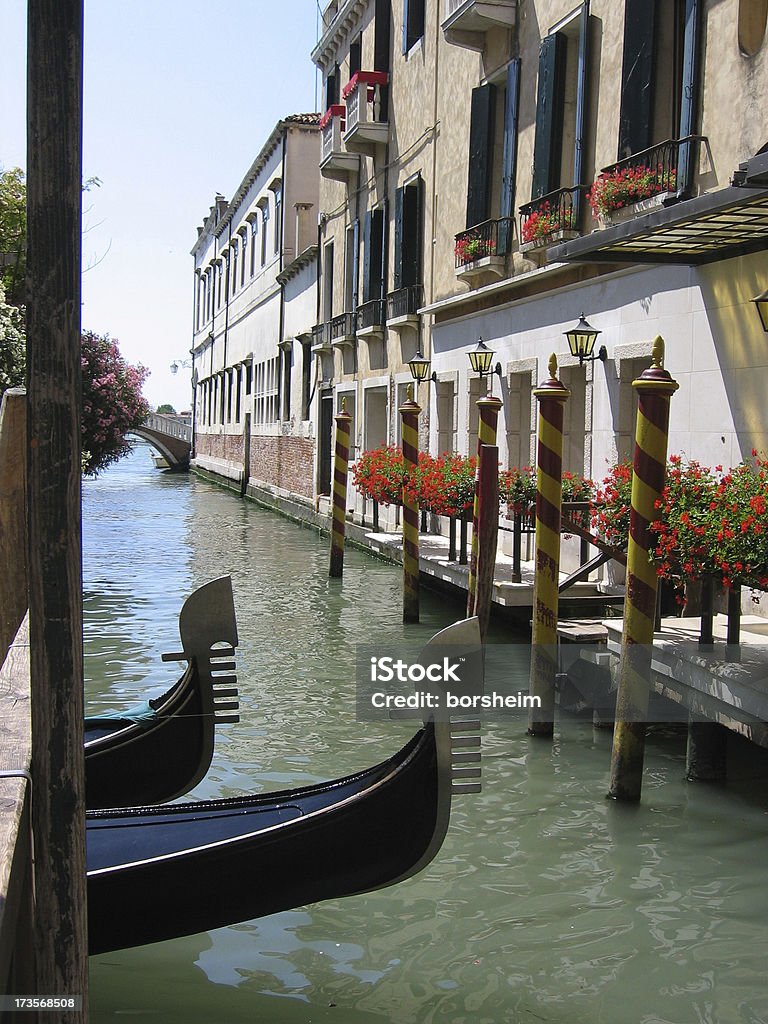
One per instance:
(255,304)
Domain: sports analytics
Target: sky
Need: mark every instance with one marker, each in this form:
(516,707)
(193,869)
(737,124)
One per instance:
(179,97)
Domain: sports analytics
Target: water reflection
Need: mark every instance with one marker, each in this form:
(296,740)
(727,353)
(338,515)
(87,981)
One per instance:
(547,902)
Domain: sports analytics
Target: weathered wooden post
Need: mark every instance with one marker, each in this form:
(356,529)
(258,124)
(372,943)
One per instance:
(551,396)
(409,413)
(54,164)
(706,751)
(340,471)
(655,388)
(14,599)
(487,532)
(488,409)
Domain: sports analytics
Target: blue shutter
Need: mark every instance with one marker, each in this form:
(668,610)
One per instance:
(509,163)
(398,276)
(581,107)
(690,89)
(367,258)
(638,71)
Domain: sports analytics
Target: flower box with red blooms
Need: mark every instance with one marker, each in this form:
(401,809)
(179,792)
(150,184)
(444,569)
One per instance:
(617,189)
(546,221)
(378,474)
(470,248)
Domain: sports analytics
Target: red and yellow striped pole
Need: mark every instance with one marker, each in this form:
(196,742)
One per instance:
(488,419)
(655,388)
(340,470)
(409,413)
(551,396)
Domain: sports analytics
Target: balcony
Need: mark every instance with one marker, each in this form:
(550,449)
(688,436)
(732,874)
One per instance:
(366,124)
(335,161)
(480,251)
(403,306)
(553,218)
(341,329)
(372,319)
(321,340)
(467,22)
(642,182)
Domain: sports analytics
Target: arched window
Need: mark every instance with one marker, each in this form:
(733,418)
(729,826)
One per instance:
(254,230)
(752,21)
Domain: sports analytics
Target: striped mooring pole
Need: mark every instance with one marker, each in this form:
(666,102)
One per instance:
(488,408)
(655,388)
(551,396)
(340,470)
(409,413)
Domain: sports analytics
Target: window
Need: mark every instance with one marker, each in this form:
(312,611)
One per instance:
(208,291)
(244,246)
(350,268)
(374,255)
(328,281)
(266,391)
(234,267)
(198,298)
(331,88)
(239,393)
(446,400)
(264,220)
(278,217)
(659,79)
(480,154)
(306,377)
(355,52)
(254,231)
(409,203)
(413,23)
(560,107)
(287,354)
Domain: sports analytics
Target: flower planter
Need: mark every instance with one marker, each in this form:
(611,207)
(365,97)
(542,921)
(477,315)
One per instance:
(606,220)
(536,250)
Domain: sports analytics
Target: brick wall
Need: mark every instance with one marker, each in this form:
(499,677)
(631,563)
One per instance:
(285,462)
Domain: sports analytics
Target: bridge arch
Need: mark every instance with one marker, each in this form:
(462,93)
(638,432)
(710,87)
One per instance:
(169,435)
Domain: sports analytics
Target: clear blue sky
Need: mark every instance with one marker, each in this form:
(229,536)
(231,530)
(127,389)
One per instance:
(180,95)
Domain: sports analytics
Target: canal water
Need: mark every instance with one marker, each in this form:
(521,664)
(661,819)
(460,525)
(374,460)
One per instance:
(546,903)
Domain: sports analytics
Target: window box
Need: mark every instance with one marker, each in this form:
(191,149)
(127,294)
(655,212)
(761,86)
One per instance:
(480,251)
(366,122)
(552,218)
(335,162)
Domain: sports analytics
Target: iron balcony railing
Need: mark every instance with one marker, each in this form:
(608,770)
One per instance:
(648,173)
(372,314)
(405,301)
(342,326)
(556,211)
(491,238)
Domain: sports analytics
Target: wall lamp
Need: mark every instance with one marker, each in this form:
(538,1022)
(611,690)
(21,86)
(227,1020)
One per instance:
(761,301)
(481,360)
(420,367)
(177,364)
(581,342)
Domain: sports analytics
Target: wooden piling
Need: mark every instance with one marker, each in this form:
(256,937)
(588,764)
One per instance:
(487,532)
(655,388)
(551,396)
(54,183)
(409,413)
(340,473)
(14,599)
(488,418)
(705,756)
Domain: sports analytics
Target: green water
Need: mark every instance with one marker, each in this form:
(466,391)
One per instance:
(546,903)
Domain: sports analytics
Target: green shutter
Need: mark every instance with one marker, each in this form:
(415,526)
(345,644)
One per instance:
(398,276)
(480,154)
(509,164)
(550,97)
(690,90)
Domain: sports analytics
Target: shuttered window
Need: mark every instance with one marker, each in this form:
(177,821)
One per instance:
(373,255)
(480,154)
(637,77)
(409,203)
(550,98)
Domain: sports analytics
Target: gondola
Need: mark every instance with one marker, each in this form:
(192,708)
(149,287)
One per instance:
(160,751)
(164,872)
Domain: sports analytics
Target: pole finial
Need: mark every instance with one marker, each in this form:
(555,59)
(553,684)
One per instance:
(657,353)
(409,393)
(552,365)
(343,403)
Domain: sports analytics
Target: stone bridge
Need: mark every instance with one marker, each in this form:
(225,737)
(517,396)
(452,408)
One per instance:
(170,435)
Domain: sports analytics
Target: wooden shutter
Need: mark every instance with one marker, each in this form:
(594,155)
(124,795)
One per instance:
(690,89)
(413,204)
(509,164)
(480,154)
(377,254)
(398,281)
(638,71)
(581,109)
(549,115)
(367,296)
